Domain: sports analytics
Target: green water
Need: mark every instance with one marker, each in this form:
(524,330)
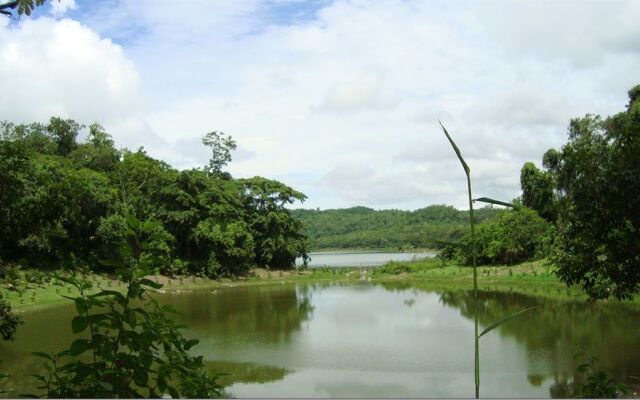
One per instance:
(364,340)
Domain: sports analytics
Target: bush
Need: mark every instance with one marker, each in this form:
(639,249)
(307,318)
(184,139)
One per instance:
(10,273)
(130,348)
(175,267)
(8,320)
(514,236)
(399,267)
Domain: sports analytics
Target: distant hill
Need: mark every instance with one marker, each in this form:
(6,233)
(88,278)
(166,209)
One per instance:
(366,228)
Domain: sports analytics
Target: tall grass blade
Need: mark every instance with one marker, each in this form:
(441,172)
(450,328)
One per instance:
(505,319)
(493,201)
(476,338)
(456,149)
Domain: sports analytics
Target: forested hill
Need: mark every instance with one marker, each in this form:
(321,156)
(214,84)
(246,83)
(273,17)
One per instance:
(362,227)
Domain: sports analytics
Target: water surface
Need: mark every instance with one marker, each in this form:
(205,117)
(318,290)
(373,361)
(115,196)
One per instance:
(366,340)
(360,258)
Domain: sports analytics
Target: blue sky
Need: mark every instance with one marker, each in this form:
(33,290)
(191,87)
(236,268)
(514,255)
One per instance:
(339,99)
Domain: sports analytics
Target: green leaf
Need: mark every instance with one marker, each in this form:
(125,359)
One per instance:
(81,305)
(492,201)
(130,318)
(457,150)
(79,323)
(119,296)
(79,346)
(149,282)
(133,222)
(448,243)
(141,377)
(42,355)
(190,343)
(141,311)
(503,320)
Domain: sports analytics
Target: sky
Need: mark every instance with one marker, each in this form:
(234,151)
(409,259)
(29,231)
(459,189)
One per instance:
(338,99)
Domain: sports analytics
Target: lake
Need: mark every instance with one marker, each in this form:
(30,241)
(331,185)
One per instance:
(360,258)
(373,340)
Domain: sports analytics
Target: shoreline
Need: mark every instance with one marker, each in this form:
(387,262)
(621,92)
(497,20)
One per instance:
(529,278)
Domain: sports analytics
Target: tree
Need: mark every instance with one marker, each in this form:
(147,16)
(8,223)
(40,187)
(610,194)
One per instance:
(598,182)
(98,153)
(21,6)
(514,236)
(221,146)
(537,191)
(64,133)
(276,232)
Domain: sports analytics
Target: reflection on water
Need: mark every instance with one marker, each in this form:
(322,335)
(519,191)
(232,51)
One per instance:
(261,314)
(244,372)
(555,332)
(364,340)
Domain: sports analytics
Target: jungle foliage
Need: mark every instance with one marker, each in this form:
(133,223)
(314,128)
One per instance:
(362,227)
(66,203)
(512,237)
(593,185)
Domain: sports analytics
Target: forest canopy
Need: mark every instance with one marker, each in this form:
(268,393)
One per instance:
(65,203)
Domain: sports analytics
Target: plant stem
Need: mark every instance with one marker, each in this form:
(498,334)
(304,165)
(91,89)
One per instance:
(475,291)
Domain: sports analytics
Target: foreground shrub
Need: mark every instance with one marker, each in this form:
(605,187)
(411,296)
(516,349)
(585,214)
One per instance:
(129,346)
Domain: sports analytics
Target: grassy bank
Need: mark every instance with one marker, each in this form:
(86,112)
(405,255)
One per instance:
(533,278)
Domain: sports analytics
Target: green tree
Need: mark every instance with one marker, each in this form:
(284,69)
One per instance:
(514,236)
(98,153)
(538,191)
(64,133)
(221,146)
(277,236)
(598,181)
(21,6)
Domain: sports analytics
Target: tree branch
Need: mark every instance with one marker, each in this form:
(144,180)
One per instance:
(11,5)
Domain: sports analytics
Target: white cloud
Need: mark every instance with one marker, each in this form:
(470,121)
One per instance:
(60,7)
(355,94)
(62,68)
(343,103)
(523,104)
(581,32)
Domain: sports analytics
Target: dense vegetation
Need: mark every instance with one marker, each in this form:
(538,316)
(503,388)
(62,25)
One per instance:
(514,236)
(66,204)
(362,227)
(591,189)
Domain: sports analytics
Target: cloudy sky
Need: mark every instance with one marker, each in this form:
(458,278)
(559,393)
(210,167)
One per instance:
(339,99)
